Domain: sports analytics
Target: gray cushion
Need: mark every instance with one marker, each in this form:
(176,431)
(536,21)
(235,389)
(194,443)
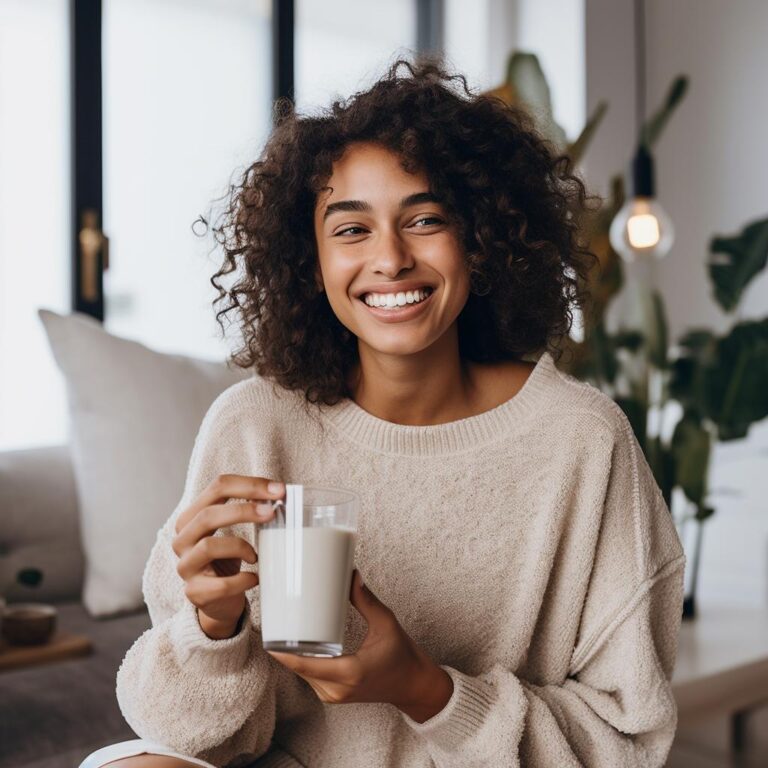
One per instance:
(39,524)
(52,716)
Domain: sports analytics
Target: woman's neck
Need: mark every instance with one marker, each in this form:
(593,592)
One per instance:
(434,386)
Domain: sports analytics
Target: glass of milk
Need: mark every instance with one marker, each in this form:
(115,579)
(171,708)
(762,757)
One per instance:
(306,558)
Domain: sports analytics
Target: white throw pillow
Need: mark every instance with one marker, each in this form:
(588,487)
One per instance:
(134,415)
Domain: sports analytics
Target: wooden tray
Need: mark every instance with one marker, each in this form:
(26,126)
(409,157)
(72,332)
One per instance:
(63,645)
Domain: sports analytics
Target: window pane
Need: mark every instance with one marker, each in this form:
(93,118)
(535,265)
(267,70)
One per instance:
(467,38)
(187,98)
(343,46)
(554,31)
(34,216)
(480,36)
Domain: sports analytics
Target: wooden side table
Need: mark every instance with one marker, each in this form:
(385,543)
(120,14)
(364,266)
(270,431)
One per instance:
(722,667)
(63,645)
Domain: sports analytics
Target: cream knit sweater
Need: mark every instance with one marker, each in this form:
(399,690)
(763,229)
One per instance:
(527,550)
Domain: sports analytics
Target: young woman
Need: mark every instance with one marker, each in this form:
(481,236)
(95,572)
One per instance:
(406,263)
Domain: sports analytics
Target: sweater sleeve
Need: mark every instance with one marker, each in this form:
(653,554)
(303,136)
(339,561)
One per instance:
(175,684)
(616,705)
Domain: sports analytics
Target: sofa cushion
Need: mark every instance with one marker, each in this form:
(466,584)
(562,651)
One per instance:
(55,714)
(133,417)
(40,526)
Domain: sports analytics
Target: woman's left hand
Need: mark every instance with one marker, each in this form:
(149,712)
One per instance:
(388,667)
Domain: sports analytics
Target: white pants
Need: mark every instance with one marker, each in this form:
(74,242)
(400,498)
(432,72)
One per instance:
(134,747)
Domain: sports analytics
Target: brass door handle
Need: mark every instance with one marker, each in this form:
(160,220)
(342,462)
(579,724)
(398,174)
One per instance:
(92,243)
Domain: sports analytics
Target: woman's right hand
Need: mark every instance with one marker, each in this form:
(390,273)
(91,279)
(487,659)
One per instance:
(210,565)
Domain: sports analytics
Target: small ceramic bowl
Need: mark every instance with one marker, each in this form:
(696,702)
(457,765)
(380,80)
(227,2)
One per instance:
(28,623)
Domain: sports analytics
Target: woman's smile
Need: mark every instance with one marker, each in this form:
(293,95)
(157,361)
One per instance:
(398,314)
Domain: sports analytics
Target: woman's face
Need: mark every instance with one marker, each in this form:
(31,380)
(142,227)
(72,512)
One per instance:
(372,240)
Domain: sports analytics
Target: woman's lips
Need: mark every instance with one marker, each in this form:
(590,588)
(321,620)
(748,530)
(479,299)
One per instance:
(401,313)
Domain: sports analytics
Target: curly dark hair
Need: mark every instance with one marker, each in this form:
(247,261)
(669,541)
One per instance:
(517,205)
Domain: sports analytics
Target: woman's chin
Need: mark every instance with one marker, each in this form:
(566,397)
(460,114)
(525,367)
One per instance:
(395,347)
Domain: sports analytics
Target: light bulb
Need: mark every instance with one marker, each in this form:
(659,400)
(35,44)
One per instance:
(641,230)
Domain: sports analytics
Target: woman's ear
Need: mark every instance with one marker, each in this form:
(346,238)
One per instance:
(319,279)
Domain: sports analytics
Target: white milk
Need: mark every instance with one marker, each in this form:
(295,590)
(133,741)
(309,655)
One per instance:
(305,575)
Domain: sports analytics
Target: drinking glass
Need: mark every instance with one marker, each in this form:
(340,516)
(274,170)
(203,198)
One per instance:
(306,558)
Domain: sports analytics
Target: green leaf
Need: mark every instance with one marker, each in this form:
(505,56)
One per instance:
(724,380)
(691,448)
(662,464)
(688,383)
(577,149)
(698,340)
(657,338)
(637,414)
(653,127)
(740,381)
(603,353)
(667,479)
(736,260)
(525,76)
(628,339)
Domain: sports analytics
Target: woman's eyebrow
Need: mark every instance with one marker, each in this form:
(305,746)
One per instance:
(362,205)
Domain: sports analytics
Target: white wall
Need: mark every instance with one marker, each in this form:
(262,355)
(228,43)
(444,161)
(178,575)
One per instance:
(609,63)
(710,173)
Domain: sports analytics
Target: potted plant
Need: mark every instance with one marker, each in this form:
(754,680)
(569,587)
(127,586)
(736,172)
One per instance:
(716,384)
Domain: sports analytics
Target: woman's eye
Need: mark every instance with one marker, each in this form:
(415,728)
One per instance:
(342,231)
(423,218)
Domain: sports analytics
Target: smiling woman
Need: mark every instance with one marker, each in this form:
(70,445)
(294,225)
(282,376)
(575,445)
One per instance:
(414,183)
(397,258)
(383,237)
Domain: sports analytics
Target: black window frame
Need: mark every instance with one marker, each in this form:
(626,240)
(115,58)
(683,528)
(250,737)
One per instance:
(87,117)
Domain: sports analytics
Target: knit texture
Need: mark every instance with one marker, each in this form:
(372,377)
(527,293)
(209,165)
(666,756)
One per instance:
(527,550)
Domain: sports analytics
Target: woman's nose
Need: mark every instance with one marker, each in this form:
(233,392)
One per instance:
(392,255)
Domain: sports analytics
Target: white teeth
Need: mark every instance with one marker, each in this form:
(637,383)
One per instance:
(389,300)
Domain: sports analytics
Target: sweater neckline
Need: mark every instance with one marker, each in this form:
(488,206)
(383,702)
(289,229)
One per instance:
(457,436)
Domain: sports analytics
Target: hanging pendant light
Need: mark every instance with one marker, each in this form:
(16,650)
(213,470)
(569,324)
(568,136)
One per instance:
(641,230)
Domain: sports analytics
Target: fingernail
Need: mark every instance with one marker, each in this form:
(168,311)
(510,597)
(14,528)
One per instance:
(263,509)
(275,487)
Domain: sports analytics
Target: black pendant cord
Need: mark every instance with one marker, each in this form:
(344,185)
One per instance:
(639,68)
(642,163)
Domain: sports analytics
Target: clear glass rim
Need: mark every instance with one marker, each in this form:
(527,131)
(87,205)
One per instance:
(347,496)
(347,504)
